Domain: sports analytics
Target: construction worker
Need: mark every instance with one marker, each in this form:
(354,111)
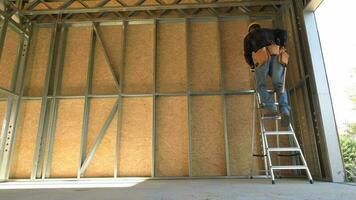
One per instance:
(262,48)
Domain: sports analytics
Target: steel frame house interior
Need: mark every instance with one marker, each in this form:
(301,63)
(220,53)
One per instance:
(96,93)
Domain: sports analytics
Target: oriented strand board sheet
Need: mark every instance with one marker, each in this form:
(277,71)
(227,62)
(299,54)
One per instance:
(237,75)
(138,77)
(103,161)
(135,157)
(240,129)
(76,61)
(171,58)
(172,136)
(111,36)
(204,56)
(103,81)
(8,58)
(308,139)
(208,148)
(25,140)
(38,61)
(3,109)
(66,149)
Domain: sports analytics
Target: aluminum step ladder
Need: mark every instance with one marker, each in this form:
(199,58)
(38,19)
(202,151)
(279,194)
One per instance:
(268,151)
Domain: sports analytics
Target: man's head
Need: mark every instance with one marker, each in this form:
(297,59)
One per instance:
(253,26)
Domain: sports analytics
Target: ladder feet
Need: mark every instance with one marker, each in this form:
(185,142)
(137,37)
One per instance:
(311,181)
(273,182)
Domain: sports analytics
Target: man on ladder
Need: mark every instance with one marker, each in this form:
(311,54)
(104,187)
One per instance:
(265,53)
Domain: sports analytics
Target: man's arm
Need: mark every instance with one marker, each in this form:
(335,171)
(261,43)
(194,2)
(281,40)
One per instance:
(248,52)
(280,37)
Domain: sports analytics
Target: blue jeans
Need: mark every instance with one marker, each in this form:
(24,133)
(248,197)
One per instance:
(276,71)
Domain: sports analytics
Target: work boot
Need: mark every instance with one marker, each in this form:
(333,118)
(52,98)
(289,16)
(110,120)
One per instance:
(270,112)
(285,120)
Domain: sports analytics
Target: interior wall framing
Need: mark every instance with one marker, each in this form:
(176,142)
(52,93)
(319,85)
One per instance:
(177,106)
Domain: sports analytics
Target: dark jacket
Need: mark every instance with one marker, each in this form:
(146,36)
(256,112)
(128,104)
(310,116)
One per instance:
(262,37)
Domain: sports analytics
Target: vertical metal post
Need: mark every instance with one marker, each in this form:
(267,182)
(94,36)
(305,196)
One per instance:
(189,96)
(41,134)
(153,174)
(3,31)
(54,105)
(121,82)
(85,126)
(222,88)
(15,107)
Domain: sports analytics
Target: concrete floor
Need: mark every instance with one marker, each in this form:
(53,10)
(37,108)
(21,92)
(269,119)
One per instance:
(237,189)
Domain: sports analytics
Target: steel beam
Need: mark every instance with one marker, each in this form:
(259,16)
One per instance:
(88,91)
(42,133)
(154,63)
(189,97)
(245,3)
(223,106)
(54,102)
(120,109)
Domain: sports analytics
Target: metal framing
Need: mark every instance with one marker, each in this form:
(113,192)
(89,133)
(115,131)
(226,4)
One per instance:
(100,14)
(142,8)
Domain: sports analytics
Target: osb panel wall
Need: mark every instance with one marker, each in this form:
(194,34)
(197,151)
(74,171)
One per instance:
(307,140)
(172,136)
(102,164)
(38,61)
(204,56)
(26,134)
(103,80)
(8,58)
(240,129)
(138,71)
(66,149)
(134,137)
(76,61)
(3,108)
(135,155)
(236,72)
(171,58)
(208,148)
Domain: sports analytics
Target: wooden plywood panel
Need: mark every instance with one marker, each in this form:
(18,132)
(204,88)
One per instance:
(38,61)
(171,58)
(103,81)
(240,129)
(307,139)
(136,137)
(172,136)
(25,140)
(8,58)
(111,36)
(66,149)
(102,164)
(236,70)
(208,148)
(76,61)
(204,56)
(3,108)
(138,75)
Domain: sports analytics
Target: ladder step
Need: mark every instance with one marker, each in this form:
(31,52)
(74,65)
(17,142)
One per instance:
(279,133)
(288,167)
(277,117)
(284,149)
